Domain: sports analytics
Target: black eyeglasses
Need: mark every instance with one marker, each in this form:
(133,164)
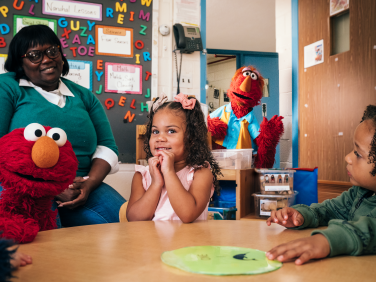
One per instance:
(36,56)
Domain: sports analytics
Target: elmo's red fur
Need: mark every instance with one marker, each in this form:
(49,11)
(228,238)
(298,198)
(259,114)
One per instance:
(28,191)
(242,103)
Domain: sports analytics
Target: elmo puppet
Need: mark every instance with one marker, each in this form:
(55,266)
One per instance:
(234,126)
(36,164)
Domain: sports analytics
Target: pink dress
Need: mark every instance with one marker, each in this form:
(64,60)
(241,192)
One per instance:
(164,209)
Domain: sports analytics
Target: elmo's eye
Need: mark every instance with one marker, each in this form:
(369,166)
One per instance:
(34,131)
(58,135)
(246,73)
(254,76)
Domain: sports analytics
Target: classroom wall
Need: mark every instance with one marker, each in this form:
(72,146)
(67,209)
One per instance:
(334,94)
(283,48)
(164,74)
(247,25)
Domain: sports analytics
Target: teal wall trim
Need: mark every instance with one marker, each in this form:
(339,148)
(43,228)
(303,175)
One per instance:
(295,81)
(202,54)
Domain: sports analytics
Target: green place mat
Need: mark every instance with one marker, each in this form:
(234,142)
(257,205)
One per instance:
(220,260)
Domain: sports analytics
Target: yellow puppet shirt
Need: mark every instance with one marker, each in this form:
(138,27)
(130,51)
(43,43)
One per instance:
(240,131)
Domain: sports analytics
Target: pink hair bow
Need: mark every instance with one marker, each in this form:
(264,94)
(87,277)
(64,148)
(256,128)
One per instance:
(186,103)
(159,102)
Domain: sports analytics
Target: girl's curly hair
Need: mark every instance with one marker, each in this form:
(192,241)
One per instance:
(370,114)
(196,140)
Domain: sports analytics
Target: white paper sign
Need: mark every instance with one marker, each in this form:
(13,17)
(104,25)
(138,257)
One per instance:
(80,73)
(337,6)
(123,78)
(3,58)
(114,41)
(314,54)
(73,9)
(187,12)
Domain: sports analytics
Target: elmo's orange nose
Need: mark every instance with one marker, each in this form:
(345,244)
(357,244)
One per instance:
(45,152)
(246,84)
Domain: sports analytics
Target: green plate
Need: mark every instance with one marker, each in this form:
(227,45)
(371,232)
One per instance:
(220,260)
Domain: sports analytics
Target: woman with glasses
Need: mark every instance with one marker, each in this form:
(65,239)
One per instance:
(34,91)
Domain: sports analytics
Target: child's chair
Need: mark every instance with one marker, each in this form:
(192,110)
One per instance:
(123,213)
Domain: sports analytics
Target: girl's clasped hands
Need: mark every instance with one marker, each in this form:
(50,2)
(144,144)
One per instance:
(161,165)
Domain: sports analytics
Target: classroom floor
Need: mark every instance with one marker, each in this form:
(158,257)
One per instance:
(330,191)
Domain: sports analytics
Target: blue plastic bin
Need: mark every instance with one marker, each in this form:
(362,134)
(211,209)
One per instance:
(222,213)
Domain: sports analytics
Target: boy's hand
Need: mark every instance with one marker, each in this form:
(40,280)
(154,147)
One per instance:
(287,217)
(155,172)
(167,160)
(314,247)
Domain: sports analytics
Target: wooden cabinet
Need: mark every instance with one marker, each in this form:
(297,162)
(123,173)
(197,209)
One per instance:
(247,181)
(140,137)
(333,95)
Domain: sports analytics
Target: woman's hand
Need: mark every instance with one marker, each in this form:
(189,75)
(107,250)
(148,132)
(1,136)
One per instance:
(82,195)
(287,217)
(167,160)
(99,170)
(314,247)
(77,182)
(72,192)
(155,172)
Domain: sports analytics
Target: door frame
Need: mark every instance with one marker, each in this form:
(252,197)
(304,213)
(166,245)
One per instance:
(295,81)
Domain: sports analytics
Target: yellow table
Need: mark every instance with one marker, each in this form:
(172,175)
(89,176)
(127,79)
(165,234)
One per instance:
(131,252)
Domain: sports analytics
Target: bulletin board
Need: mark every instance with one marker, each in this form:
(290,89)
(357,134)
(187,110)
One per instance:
(108,45)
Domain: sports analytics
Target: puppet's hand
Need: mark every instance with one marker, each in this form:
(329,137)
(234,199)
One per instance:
(275,125)
(267,141)
(217,128)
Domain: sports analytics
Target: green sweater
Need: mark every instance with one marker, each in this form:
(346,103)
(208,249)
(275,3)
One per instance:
(82,118)
(351,221)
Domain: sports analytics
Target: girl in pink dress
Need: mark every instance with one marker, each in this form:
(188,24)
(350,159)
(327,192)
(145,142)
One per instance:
(182,174)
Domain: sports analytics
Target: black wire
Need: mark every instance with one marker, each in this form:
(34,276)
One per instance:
(178,72)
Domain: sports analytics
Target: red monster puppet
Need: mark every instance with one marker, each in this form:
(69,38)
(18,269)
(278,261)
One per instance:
(234,126)
(36,164)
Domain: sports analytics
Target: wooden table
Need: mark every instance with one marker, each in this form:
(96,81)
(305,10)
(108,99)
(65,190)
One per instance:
(131,252)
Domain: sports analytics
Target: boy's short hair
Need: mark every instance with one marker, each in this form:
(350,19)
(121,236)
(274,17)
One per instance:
(370,114)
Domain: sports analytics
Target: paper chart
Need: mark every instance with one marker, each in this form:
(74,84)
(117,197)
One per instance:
(114,41)
(123,78)
(80,72)
(22,21)
(3,58)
